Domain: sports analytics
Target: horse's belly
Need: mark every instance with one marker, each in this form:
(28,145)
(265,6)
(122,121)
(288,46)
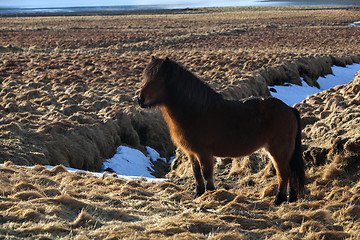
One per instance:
(233,150)
(220,142)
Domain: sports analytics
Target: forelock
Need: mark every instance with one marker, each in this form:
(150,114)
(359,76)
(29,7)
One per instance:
(153,68)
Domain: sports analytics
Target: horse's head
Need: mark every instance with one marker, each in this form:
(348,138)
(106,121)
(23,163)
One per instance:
(153,92)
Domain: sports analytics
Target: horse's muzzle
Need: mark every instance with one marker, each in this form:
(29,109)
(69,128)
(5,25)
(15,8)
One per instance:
(141,101)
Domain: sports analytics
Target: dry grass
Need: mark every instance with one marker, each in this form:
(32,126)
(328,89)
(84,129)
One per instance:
(67,87)
(70,81)
(38,203)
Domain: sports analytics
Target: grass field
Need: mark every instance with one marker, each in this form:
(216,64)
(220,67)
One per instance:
(67,97)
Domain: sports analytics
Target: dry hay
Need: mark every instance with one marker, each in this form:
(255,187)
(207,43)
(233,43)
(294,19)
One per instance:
(53,204)
(67,83)
(67,88)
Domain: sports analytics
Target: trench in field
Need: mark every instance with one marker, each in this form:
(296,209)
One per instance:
(292,94)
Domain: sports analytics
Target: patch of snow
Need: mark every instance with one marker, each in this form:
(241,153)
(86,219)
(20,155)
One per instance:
(153,154)
(293,94)
(355,24)
(133,163)
(99,174)
(128,161)
(72,170)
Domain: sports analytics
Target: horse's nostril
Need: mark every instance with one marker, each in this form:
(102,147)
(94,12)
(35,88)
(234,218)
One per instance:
(141,100)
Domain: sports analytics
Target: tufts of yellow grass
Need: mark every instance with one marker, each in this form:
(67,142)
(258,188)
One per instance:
(81,206)
(67,87)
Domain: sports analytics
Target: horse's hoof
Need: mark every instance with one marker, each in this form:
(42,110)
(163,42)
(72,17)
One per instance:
(277,202)
(199,193)
(280,198)
(196,195)
(293,198)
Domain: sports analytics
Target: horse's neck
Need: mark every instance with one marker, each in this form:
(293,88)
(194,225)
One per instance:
(175,116)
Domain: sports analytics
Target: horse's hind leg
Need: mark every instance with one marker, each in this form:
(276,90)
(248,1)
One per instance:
(200,185)
(283,178)
(283,175)
(293,193)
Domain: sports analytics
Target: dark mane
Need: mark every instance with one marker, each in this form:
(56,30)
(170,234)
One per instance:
(185,90)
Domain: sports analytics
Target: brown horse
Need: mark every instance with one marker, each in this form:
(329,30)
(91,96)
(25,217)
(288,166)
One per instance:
(203,125)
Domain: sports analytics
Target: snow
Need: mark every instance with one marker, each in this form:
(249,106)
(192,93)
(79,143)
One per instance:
(355,24)
(132,162)
(99,174)
(153,154)
(72,170)
(129,161)
(293,94)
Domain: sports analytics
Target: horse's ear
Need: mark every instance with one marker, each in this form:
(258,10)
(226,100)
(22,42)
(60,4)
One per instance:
(153,58)
(166,67)
(166,61)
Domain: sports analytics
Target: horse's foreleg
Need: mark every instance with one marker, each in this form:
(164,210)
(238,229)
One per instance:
(207,168)
(200,186)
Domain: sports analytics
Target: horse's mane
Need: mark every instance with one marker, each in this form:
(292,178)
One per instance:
(185,90)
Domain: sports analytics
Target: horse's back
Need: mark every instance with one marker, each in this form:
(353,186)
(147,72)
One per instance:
(270,115)
(258,111)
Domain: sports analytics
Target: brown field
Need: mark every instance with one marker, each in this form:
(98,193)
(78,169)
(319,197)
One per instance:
(66,97)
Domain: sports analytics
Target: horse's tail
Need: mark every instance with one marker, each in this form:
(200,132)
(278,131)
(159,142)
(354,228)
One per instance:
(297,165)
